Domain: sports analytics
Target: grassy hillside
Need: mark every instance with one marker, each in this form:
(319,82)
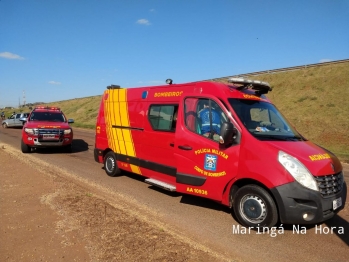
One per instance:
(315,100)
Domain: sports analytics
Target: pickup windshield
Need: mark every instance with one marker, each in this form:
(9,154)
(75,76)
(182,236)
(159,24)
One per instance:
(264,121)
(47,116)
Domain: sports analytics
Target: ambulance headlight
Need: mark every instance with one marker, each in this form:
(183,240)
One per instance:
(67,131)
(298,171)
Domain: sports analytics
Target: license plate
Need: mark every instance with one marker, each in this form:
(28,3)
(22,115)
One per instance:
(337,203)
(46,136)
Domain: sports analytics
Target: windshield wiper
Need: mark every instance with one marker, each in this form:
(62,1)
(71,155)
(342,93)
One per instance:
(280,138)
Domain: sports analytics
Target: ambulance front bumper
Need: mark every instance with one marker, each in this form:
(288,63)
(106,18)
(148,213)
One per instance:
(299,205)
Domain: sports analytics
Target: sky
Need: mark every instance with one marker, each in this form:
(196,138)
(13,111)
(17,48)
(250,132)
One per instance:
(54,50)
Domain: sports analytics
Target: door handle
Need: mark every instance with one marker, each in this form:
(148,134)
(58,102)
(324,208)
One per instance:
(185,147)
(172,144)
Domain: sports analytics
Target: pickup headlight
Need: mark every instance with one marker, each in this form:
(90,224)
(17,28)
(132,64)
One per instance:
(30,131)
(67,131)
(298,171)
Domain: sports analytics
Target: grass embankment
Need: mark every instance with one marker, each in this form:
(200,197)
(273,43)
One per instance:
(314,100)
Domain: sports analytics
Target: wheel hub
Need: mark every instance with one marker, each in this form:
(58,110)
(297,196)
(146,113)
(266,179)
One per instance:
(253,209)
(110,164)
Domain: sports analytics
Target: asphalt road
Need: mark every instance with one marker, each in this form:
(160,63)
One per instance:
(203,220)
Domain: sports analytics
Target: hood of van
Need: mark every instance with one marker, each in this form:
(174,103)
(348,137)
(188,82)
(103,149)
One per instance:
(316,159)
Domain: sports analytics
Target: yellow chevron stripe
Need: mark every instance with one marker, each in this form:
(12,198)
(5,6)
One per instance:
(124,117)
(113,107)
(116,113)
(122,95)
(121,141)
(107,121)
(135,169)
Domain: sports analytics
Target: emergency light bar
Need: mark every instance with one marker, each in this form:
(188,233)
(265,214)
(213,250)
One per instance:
(260,86)
(47,107)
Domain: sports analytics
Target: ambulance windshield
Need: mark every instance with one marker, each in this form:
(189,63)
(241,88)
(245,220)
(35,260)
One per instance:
(263,120)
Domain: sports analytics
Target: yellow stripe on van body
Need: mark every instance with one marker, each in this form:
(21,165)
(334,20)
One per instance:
(107,113)
(116,146)
(124,114)
(122,95)
(121,141)
(128,142)
(125,121)
(111,140)
(116,114)
(135,169)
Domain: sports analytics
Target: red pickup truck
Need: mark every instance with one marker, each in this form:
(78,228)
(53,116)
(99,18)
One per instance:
(47,127)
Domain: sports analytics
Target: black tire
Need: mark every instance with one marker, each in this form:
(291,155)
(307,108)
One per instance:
(110,165)
(25,148)
(254,207)
(4,125)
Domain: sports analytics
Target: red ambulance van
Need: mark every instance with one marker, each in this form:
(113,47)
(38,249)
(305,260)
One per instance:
(225,142)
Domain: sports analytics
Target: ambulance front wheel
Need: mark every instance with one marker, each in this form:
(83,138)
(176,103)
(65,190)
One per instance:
(254,207)
(110,165)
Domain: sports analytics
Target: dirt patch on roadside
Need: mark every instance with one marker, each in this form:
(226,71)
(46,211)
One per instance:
(46,217)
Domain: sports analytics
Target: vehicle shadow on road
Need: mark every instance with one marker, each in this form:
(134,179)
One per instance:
(14,127)
(79,145)
(205,203)
(185,199)
(338,222)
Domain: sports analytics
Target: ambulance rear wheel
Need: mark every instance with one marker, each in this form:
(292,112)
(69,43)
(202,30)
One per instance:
(254,207)
(110,165)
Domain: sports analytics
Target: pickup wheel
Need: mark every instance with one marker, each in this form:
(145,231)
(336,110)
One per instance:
(25,148)
(4,125)
(110,165)
(254,207)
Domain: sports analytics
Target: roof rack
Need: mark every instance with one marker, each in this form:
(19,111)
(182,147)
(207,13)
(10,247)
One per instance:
(260,86)
(113,87)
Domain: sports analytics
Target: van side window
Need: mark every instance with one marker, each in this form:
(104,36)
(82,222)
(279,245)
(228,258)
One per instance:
(163,117)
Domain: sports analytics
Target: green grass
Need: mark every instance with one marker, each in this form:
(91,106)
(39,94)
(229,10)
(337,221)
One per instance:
(314,100)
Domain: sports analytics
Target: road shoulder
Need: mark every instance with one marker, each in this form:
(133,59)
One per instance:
(46,217)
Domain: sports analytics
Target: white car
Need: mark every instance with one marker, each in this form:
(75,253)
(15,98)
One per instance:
(16,120)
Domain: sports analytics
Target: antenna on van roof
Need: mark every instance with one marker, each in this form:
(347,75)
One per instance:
(260,87)
(169,81)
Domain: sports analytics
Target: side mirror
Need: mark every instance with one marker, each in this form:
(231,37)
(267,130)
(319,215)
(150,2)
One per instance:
(228,134)
(70,121)
(23,120)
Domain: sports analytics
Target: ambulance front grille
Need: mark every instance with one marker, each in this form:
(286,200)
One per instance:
(331,184)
